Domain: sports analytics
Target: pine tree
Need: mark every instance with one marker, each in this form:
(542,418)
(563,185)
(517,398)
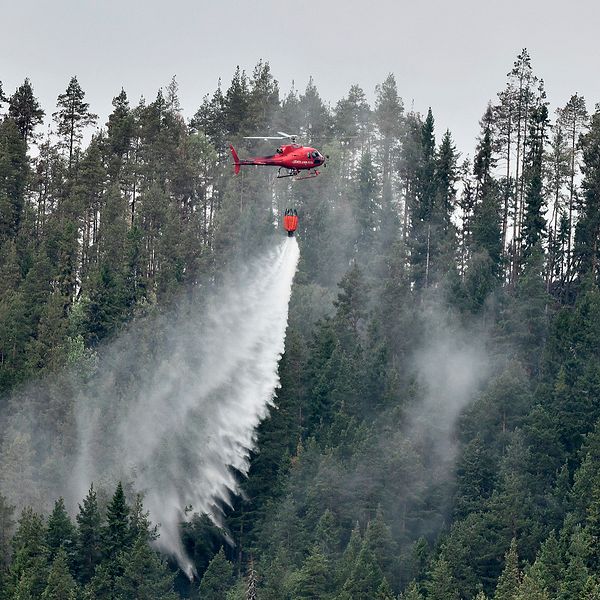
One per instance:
(587,234)
(13,176)
(387,116)
(522,83)
(365,200)
(264,98)
(72,116)
(558,166)
(316,119)
(534,224)
(352,119)
(237,104)
(120,132)
(25,109)
(572,118)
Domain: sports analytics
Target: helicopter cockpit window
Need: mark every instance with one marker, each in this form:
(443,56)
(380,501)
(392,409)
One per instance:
(315,154)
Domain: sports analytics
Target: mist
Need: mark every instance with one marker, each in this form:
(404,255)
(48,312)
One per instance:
(173,416)
(450,365)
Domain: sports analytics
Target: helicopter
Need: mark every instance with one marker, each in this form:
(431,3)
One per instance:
(291,158)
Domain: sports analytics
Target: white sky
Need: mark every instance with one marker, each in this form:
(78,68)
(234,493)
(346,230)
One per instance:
(453,56)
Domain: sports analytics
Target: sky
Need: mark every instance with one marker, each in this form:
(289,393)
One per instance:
(450,55)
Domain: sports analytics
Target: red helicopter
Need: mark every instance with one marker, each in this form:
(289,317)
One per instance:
(292,158)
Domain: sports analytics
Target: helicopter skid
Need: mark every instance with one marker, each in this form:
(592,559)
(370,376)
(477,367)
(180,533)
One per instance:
(295,173)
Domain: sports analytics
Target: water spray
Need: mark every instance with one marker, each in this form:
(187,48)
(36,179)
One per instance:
(192,423)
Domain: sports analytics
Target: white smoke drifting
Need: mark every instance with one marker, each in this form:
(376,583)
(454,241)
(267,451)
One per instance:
(193,421)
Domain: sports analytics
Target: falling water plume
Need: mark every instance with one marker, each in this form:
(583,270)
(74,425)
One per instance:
(191,425)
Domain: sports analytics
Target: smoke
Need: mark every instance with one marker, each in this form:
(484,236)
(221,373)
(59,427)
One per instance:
(450,366)
(176,415)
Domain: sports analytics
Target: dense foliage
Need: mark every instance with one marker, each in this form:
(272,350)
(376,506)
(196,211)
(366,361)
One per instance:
(381,474)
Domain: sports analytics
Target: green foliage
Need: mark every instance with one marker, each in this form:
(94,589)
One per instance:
(440,582)
(25,109)
(116,534)
(509,582)
(217,579)
(89,536)
(61,533)
(29,567)
(94,238)
(61,585)
(145,575)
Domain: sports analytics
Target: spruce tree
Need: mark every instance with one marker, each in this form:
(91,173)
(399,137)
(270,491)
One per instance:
(117,534)
(61,585)
(6,532)
(440,583)
(217,578)
(576,573)
(314,580)
(366,576)
(411,592)
(61,532)
(385,592)
(89,537)
(145,576)
(510,579)
(29,567)
(532,586)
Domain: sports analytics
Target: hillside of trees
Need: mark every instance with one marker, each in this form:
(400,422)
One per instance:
(368,481)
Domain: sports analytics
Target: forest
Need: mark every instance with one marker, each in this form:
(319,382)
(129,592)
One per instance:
(437,431)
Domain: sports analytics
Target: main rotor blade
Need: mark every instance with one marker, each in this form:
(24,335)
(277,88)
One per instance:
(287,135)
(262,137)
